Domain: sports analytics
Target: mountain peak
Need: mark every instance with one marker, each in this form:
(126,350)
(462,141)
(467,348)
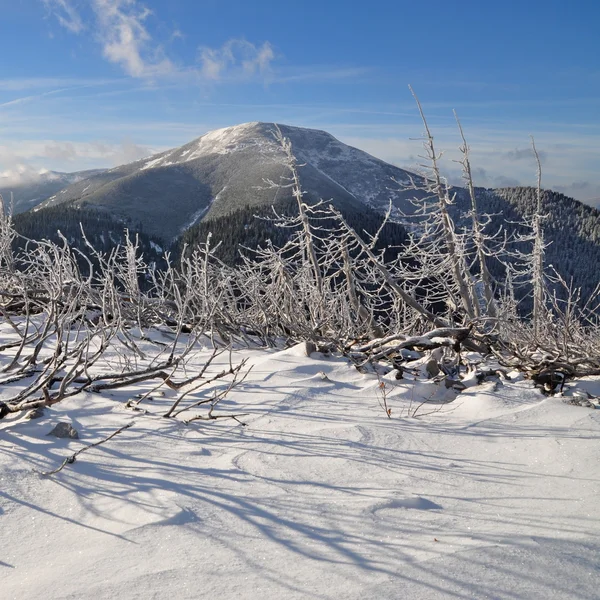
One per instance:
(236,138)
(225,170)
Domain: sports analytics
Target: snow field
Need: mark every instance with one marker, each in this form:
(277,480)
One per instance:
(491,495)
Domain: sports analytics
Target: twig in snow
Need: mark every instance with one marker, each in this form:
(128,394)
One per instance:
(71,459)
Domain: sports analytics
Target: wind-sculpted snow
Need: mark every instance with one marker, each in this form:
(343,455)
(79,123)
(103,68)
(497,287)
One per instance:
(491,493)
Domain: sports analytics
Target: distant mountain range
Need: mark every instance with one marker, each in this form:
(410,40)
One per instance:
(34,189)
(220,179)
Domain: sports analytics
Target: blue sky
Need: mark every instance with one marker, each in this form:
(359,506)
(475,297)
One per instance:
(89,83)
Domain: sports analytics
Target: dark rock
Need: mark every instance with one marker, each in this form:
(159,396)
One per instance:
(432,368)
(37,412)
(64,430)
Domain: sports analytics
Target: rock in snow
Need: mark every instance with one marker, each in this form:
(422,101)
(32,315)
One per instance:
(64,430)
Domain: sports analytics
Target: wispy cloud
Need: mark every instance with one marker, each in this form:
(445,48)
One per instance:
(526,154)
(568,160)
(121,28)
(26,99)
(72,83)
(37,83)
(24,158)
(19,174)
(125,39)
(235,59)
(315,74)
(66,14)
(583,190)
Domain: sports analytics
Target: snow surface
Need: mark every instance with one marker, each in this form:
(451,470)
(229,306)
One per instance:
(155,162)
(222,141)
(492,495)
(200,212)
(219,141)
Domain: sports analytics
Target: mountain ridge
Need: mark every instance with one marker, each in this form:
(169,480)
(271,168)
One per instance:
(225,170)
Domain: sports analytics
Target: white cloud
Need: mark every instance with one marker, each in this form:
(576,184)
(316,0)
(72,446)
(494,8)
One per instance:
(120,27)
(24,159)
(235,59)
(583,190)
(66,14)
(495,161)
(18,174)
(481,177)
(525,154)
(125,152)
(125,39)
(63,151)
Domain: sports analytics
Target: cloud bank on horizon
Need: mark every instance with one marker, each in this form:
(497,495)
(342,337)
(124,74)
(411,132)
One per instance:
(103,82)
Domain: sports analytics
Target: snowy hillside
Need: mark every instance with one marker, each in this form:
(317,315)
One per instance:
(225,170)
(369,180)
(492,494)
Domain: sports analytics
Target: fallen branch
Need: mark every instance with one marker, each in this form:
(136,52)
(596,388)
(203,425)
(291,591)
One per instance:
(71,459)
(211,417)
(458,333)
(438,338)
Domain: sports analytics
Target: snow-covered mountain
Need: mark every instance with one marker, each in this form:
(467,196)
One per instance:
(225,170)
(31,190)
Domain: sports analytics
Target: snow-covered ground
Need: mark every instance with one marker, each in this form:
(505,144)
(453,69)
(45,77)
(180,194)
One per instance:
(493,495)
